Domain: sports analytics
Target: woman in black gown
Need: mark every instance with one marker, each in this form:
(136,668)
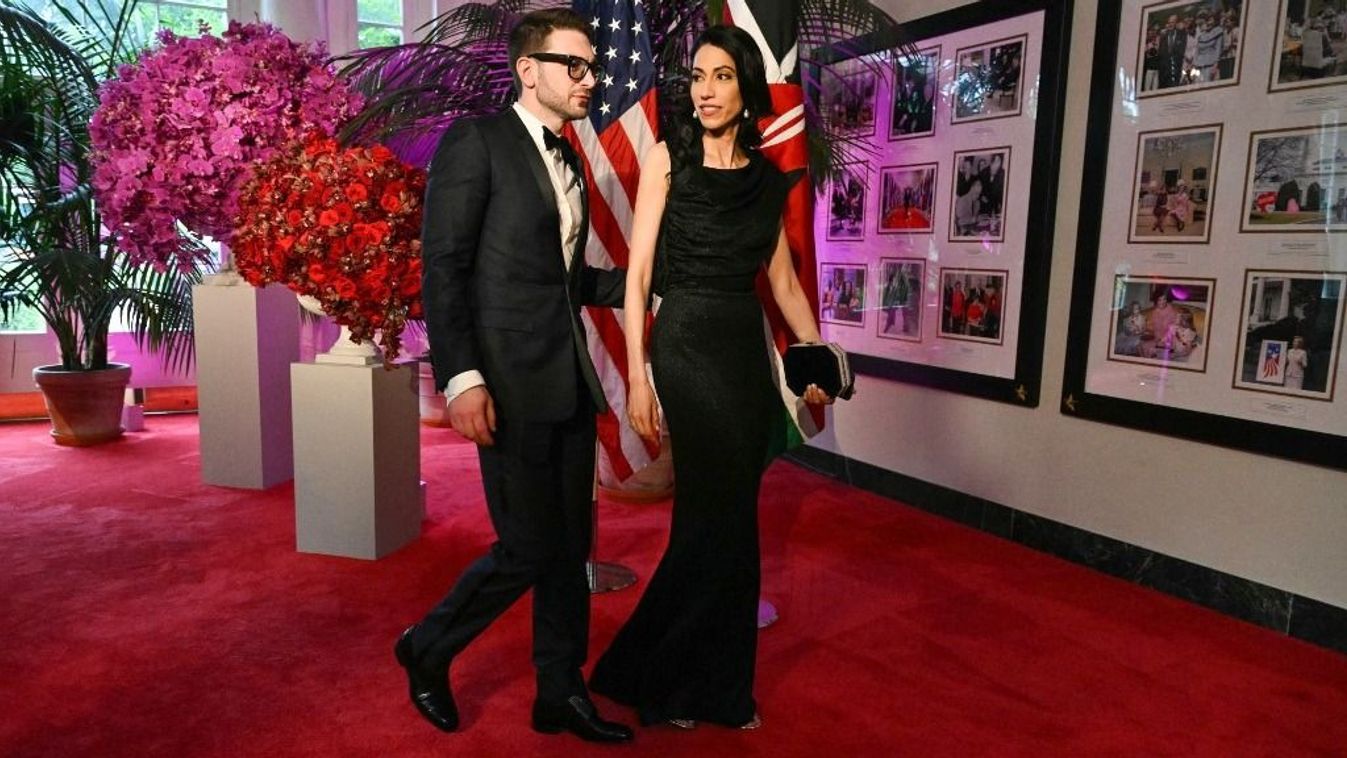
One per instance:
(711,204)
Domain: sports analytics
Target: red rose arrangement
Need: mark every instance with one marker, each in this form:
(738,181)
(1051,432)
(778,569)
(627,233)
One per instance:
(342,225)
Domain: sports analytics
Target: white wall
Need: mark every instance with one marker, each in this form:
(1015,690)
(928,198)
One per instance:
(1280,523)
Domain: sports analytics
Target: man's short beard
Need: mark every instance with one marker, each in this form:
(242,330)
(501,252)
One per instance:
(560,104)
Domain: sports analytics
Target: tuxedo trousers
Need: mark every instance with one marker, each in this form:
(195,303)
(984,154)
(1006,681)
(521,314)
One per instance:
(539,483)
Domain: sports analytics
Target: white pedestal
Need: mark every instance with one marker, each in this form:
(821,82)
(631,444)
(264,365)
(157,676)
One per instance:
(133,418)
(357,459)
(246,339)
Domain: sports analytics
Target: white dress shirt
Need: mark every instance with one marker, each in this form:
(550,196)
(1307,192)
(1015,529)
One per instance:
(567,188)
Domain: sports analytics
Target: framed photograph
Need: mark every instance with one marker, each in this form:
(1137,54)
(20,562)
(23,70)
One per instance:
(948,206)
(901,283)
(1173,192)
(1291,333)
(1188,45)
(989,80)
(848,98)
(916,80)
(842,294)
(977,208)
(1161,321)
(846,203)
(1295,182)
(907,199)
(971,304)
(1311,44)
(1233,337)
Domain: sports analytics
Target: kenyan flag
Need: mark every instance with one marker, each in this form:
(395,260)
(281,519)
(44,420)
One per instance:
(772,24)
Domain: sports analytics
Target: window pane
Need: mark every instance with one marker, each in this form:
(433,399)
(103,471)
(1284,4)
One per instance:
(380,11)
(20,318)
(379,36)
(185,20)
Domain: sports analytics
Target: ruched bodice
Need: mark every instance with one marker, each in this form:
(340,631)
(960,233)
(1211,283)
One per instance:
(720,225)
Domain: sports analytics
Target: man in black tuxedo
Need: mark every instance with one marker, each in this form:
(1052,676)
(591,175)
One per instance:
(506,221)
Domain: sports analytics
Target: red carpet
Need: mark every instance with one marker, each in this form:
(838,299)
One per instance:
(143,613)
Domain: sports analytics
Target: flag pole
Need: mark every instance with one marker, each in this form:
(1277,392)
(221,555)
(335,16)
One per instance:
(603,576)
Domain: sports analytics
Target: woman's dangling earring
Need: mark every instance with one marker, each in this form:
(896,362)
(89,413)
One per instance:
(746,115)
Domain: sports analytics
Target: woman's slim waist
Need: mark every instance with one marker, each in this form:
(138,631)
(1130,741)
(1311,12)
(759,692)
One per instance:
(733,284)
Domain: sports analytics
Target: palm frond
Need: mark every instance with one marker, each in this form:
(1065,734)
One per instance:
(157,306)
(674,29)
(64,265)
(830,32)
(459,68)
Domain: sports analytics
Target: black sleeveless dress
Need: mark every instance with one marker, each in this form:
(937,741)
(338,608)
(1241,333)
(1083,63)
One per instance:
(689,648)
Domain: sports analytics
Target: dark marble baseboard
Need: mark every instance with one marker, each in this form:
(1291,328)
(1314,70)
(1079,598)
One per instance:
(1269,607)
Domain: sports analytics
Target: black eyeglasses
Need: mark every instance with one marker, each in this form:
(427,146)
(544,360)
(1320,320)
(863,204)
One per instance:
(576,67)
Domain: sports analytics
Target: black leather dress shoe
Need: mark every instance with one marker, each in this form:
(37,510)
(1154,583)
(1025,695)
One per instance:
(578,716)
(430,691)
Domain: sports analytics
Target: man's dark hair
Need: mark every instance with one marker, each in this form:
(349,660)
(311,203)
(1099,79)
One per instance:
(530,34)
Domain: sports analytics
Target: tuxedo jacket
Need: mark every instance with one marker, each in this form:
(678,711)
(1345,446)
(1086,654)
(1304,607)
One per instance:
(497,293)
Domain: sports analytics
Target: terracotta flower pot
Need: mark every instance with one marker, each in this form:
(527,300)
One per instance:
(85,406)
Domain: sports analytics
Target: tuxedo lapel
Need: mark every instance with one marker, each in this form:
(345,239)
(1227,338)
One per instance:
(535,162)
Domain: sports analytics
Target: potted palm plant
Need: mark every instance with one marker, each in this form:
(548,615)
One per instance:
(56,256)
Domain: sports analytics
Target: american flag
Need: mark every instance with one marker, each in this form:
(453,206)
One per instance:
(622,126)
(1272,360)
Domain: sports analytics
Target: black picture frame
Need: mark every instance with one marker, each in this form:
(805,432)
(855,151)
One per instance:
(1023,387)
(1277,440)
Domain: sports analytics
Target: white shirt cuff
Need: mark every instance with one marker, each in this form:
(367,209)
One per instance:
(461,383)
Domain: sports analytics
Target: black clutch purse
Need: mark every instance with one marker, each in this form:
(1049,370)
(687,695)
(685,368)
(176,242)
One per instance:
(821,363)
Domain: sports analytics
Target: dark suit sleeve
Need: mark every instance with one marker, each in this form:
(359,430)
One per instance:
(603,287)
(457,189)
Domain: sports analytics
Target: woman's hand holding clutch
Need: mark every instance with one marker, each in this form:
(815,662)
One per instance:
(643,410)
(815,396)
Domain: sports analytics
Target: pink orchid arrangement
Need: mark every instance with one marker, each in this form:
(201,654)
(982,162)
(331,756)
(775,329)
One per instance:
(176,134)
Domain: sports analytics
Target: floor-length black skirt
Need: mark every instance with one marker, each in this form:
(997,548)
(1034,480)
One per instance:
(688,651)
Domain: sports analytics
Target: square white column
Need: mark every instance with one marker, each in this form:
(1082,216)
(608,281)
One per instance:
(246,339)
(357,459)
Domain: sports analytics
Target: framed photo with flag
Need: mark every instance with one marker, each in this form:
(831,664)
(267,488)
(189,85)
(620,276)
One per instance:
(1210,262)
(1291,333)
(951,211)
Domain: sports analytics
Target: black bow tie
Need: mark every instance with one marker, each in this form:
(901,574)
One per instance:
(554,141)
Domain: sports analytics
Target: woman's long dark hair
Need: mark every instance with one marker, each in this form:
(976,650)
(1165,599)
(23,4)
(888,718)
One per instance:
(684,131)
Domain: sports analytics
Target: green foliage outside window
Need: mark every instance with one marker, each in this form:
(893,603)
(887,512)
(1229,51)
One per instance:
(380,11)
(379,36)
(185,20)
